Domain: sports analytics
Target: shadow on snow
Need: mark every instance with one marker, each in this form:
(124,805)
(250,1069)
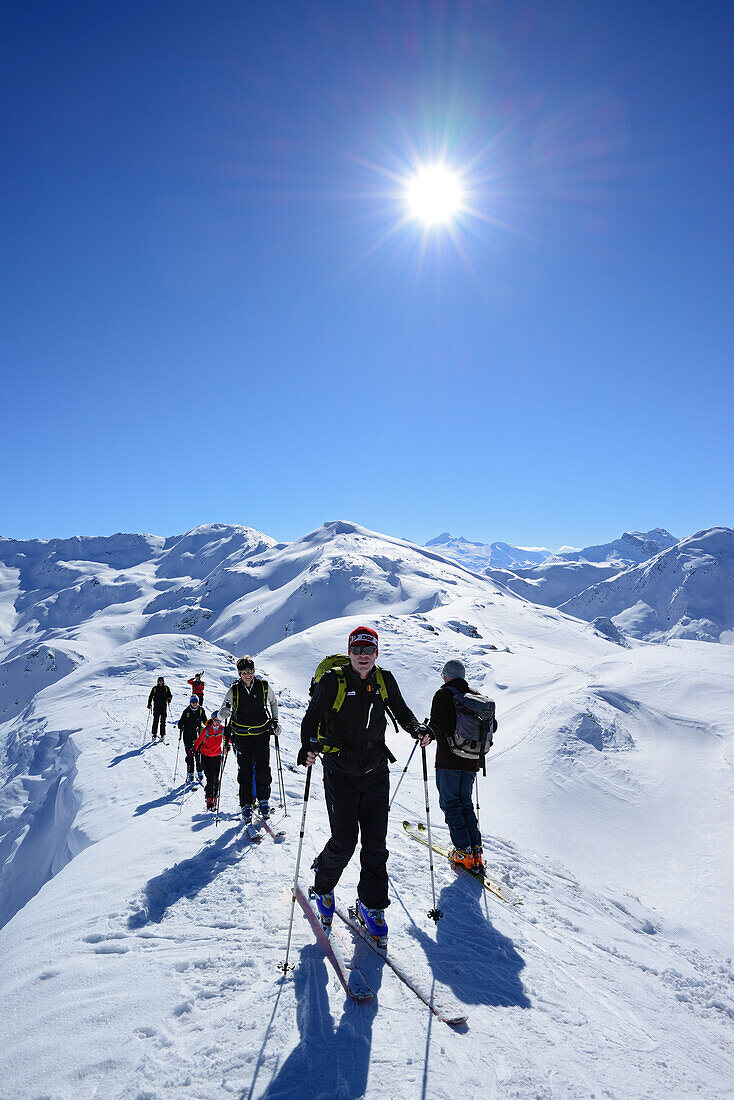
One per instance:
(185,879)
(164,800)
(330,1059)
(469,955)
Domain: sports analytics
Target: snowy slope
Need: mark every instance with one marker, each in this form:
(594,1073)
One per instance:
(552,583)
(684,592)
(155,937)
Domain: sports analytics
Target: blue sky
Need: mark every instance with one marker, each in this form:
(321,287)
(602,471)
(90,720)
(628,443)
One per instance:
(215,310)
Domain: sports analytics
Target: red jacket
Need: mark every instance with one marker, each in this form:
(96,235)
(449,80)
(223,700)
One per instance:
(196,688)
(209,742)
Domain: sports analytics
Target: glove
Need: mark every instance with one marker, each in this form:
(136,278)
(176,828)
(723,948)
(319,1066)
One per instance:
(276,730)
(149,707)
(420,731)
(303,753)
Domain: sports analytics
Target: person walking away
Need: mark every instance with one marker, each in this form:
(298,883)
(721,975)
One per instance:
(455,774)
(209,745)
(158,701)
(345,722)
(197,686)
(250,708)
(190,724)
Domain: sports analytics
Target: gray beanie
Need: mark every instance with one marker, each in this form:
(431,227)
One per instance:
(454,670)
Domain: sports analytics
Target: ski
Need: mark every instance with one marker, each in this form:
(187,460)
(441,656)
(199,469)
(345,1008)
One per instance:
(450,1014)
(278,835)
(352,978)
(253,833)
(417,831)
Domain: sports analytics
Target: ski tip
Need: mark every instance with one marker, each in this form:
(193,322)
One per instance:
(357,987)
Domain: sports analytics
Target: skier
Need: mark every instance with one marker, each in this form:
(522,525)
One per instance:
(348,704)
(454,774)
(158,701)
(209,745)
(251,709)
(197,685)
(190,724)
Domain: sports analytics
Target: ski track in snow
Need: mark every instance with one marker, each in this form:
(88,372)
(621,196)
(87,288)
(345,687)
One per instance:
(141,943)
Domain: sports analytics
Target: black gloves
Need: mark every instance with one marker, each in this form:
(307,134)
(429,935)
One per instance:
(303,753)
(420,731)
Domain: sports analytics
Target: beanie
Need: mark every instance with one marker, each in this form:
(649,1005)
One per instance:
(363,635)
(454,670)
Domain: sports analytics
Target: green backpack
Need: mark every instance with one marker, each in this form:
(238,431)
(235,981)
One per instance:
(336,661)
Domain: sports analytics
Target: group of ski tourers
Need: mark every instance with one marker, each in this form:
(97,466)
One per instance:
(345,724)
(243,724)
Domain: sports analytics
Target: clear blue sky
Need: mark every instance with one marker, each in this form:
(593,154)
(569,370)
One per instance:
(210,310)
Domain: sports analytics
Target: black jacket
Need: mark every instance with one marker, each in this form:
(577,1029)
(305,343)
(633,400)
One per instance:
(160,697)
(443,722)
(359,725)
(191,721)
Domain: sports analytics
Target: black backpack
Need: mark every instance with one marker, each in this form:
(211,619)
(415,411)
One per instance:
(475,724)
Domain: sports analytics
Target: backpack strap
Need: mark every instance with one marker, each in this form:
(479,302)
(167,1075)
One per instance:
(341,690)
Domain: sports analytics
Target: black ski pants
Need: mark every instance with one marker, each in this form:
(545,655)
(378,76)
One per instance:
(192,758)
(253,753)
(159,716)
(356,805)
(212,765)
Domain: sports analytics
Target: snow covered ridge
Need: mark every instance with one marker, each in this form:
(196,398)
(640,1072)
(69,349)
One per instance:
(140,944)
(684,592)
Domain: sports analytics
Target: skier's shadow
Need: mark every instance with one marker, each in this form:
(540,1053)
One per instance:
(164,800)
(128,755)
(330,1059)
(469,955)
(185,879)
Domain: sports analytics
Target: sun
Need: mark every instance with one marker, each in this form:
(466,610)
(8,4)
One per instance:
(434,195)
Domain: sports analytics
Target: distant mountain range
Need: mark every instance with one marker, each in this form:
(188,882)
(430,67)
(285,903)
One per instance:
(620,580)
(478,556)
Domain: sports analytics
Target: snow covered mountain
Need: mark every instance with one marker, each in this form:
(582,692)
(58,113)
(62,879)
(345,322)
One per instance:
(632,548)
(477,555)
(140,944)
(684,592)
(565,574)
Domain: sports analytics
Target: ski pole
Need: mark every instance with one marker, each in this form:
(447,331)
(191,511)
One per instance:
(284,965)
(147,724)
(434,913)
(402,777)
(225,754)
(484,772)
(175,769)
(281,784)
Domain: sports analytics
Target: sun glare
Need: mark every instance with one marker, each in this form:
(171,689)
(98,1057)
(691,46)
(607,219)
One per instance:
(434,195)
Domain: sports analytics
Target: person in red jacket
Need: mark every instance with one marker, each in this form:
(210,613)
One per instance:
(209,744)
(197,685)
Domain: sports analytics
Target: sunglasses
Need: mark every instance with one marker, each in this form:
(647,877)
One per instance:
(368,649)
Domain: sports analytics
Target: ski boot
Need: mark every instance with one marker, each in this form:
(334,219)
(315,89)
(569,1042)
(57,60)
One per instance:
(246,813)
(264,808)
(460,858)
(325,906)
(477,860)
(200,776)
(210,804)
(373,920)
